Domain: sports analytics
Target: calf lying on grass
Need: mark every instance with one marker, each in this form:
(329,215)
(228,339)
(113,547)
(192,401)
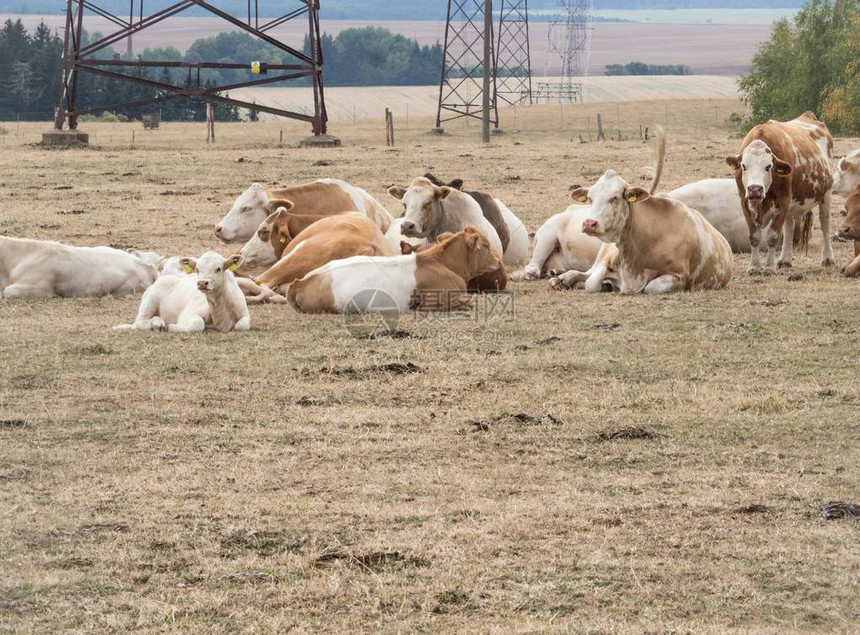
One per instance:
(432,280)
(189,304)
(32,269)
(493,281)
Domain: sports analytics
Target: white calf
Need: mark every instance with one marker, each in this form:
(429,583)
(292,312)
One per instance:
(40,269)
(184,305)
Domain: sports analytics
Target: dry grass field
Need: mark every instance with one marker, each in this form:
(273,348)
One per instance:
(584,463)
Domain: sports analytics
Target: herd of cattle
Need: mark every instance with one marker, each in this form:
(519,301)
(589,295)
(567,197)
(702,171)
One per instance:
(321,245)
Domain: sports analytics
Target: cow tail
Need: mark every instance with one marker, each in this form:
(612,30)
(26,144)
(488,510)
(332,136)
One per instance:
(801,238)
(661,158)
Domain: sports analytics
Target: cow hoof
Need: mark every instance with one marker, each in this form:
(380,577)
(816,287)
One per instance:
(554,273)
(754,271)
(828,262)
(531,273)
(556,284)
(783,264)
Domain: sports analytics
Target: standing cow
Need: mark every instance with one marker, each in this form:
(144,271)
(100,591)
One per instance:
(782,171)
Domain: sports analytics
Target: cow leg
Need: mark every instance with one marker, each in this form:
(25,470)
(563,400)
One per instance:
(568,280)
(188,323)
(546,243)
(787,255)
(243,324)
(755,256)
(824,218)
(852,270)
(20,291)
(664,284)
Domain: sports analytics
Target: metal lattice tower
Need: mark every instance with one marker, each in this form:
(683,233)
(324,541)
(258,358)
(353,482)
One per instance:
(513,54)
(80,58)
(570,40)
(461,89)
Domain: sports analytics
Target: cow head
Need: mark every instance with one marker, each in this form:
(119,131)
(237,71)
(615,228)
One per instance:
(422,202)
(480,255)
(850,227)
(847,174)
(267,245)
(248,211)
(212,270)
(149,257)
(611,199)
(756,168)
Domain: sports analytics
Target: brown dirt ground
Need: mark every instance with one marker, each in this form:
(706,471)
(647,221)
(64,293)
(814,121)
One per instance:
(289,478)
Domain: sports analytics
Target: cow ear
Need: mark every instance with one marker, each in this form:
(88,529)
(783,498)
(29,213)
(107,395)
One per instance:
(133,251)
(277,203)
(457,184)
(445,191)
(781,167)
(397,192)
(233,262)
(405,248)
(256,186)
(845,165)
(189,265)
(445,236)
(580,195)
(636,195)
(734,161)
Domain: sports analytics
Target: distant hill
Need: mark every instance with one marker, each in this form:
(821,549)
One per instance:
(386,9)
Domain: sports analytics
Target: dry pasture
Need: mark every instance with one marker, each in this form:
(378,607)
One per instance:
(599,463)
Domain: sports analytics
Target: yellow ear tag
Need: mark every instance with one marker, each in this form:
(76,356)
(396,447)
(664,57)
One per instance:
(257,282)
(632,198)
(188,267)
(233,267)
(849,167)
(283,240)
(583,199)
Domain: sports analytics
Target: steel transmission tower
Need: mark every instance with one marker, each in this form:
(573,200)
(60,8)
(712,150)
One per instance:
(87,58)
(513,54)
(570,40)
(461,89)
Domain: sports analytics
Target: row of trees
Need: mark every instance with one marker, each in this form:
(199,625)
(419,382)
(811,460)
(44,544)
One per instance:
(810,63)
(641,68)
(30,69)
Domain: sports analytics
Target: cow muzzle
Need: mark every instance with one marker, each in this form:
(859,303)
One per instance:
(845,231)
(755,193)
(408,229)
(203,285)
(590,227)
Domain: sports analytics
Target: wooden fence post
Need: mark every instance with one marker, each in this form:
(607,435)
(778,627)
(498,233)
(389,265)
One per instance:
(389,127)
(210,123)
(600,136)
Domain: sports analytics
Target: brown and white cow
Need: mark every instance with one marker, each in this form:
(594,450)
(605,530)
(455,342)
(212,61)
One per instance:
(663,245)
(330,238)
(782,171)
(512,233)
(492,281)
(850,229)
(431,280)
(431,210)
(322,197)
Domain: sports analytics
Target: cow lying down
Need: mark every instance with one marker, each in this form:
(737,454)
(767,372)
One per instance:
(289,256)
(32,269)
(661,244)
(432,280)
(850,230)
(189,304)
(491,281)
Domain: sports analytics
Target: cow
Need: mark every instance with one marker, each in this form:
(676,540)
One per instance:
(717,200)
(190,304)
(850,229)
(663,245)
(492,281)
(290,257)
(560,244)
(431,280)
(512,233)
(31,269)
(431,210)
(846,175)
(321,197)
(782,171)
